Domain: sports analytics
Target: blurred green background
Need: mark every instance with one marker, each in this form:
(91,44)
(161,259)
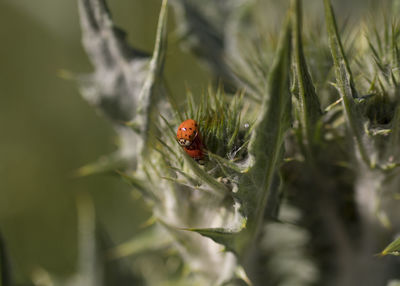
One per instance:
(48,130)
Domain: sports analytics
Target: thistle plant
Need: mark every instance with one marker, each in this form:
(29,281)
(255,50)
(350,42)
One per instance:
(301,174)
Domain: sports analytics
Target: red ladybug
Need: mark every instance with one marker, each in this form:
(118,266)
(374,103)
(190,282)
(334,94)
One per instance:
(189,138)
(196,154)
(187,132)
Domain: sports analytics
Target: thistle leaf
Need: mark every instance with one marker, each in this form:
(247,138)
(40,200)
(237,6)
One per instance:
(266,146)
(120,70)
(345,84)
(89,266)
(105,164)
(309,109)
(126,83)
(232,240)
(148,95)
(218,189)
(225,162)
(393,248)
(148,240)
(140,186)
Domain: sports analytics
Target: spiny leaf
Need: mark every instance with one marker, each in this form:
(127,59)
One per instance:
(5,272)
(393,248)
(218,189)
(114,59)
(224,162)
(232,240)
(169,149)
(266,147)
(378,61)
(309,109)
(189,112)
(105,164)
(89,267)
(139,185)
(188,177)
(185,184)
(172,100)
(170,130)
(148,95)
(148,240)
(345,84)
(241,274)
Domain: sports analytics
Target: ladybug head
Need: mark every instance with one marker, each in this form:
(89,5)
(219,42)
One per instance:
(186,138)
(184,142)
(187,132)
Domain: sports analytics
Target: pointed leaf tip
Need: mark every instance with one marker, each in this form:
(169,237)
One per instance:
(217,188)
(392,249)
(138,185)
(345,85)
(149,96)
(105,164)
(231,240)
(309,108)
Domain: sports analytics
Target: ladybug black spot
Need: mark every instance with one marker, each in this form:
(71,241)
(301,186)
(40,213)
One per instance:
(190,128)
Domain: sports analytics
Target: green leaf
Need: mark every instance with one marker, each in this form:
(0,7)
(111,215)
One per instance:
(148,96)
(5,273)
(232,240)
(309,108)
(89,265)
(217,188)
(113,58)
(147,241)
(393,248)
(225,163)
(139,185)
(266,146)
(345,84)
(105,164)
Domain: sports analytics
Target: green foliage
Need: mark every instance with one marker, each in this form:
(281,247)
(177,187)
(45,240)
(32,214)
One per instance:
(228,238)
(393,248)
(228,219)
(221,123)
(308,107)
(146,242)
(266,145)
(149,96)
(346,85)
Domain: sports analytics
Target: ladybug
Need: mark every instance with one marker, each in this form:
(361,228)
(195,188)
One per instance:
(196,154)
(188,136)
(187,132)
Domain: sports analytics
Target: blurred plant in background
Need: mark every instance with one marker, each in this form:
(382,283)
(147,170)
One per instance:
(301,181)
